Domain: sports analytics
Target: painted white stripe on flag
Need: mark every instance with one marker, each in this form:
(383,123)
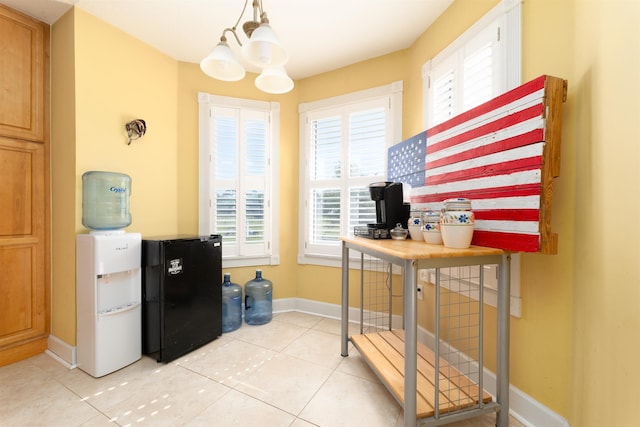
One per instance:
(491,159)
(519,202)
(528,227)
(511,131)
(517,178)
(513,107)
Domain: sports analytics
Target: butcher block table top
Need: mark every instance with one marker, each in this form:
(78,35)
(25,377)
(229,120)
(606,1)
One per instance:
(412,249)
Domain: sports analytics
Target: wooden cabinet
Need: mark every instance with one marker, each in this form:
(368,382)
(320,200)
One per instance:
(24,186)
(22,75)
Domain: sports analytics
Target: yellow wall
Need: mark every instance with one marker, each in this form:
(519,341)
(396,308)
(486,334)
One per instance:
(103,78)
(63,181)
(118,79)
(542,337)
(606,80)
(573,350)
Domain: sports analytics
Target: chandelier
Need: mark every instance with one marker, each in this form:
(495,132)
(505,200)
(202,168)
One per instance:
(263,49)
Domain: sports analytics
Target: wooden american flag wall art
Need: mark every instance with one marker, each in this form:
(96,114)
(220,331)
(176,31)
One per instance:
(503,155)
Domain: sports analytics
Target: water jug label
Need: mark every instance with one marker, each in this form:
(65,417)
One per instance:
(175,266)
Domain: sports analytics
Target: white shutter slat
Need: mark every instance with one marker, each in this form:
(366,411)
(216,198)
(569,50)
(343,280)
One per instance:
(255,156)
(226,156)
(226,222)
(325,212)
(327,145)
(367,143)
(477,77)
(443,97)
(362,210)
(255,219)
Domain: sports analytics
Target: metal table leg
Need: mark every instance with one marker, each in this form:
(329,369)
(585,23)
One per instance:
(345,302)
(410,342)
(502,374)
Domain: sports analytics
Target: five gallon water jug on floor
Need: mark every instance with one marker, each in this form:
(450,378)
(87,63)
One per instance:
(258,300)
(231,305)
(105,200)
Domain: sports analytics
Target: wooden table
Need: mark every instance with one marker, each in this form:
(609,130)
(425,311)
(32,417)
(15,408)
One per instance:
(384,351)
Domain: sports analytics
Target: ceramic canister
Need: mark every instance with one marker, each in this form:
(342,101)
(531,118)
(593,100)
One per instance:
(414,224)
(458,211)
(457,223)
(431,227)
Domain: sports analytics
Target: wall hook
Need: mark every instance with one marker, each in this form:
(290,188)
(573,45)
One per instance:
(135,129)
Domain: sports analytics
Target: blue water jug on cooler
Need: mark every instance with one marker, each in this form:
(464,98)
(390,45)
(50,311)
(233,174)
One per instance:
(258,305)
(231,305)
(105,200)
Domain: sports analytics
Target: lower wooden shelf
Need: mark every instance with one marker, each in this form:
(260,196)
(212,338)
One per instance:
(384,352)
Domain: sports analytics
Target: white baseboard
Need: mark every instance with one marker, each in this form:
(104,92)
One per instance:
(530,412)
(522,407)
(317,308)
(61,351)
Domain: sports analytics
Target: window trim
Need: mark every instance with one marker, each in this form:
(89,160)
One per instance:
(394,92)
(205,102)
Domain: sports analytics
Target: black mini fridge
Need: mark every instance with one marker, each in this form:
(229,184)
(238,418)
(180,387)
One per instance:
(181,294)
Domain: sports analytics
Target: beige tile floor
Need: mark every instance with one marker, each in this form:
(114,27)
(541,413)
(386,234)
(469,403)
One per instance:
(286,373)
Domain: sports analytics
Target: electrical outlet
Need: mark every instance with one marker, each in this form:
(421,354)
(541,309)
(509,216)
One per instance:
(420,293)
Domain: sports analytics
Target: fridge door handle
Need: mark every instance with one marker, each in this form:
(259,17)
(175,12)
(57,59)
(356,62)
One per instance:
(119,309)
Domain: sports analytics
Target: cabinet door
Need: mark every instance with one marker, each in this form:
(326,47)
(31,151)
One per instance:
(23,52)
(24,317)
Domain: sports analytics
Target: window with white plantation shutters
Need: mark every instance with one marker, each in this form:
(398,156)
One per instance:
(239,143)
(238,179)
(344,144)
(479,65)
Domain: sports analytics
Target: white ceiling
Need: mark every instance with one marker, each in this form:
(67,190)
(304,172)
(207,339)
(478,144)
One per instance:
(320,35)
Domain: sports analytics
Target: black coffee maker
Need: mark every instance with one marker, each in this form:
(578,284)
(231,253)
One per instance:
(390,210)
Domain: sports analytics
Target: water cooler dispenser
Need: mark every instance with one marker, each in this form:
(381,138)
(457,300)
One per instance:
(108,300)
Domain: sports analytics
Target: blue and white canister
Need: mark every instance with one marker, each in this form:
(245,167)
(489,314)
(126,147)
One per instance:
(414,224)
(458,211)
(431,227)
(457,223)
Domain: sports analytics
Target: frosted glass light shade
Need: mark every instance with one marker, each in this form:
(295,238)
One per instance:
(264,49)
(222,64)
(274,80)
